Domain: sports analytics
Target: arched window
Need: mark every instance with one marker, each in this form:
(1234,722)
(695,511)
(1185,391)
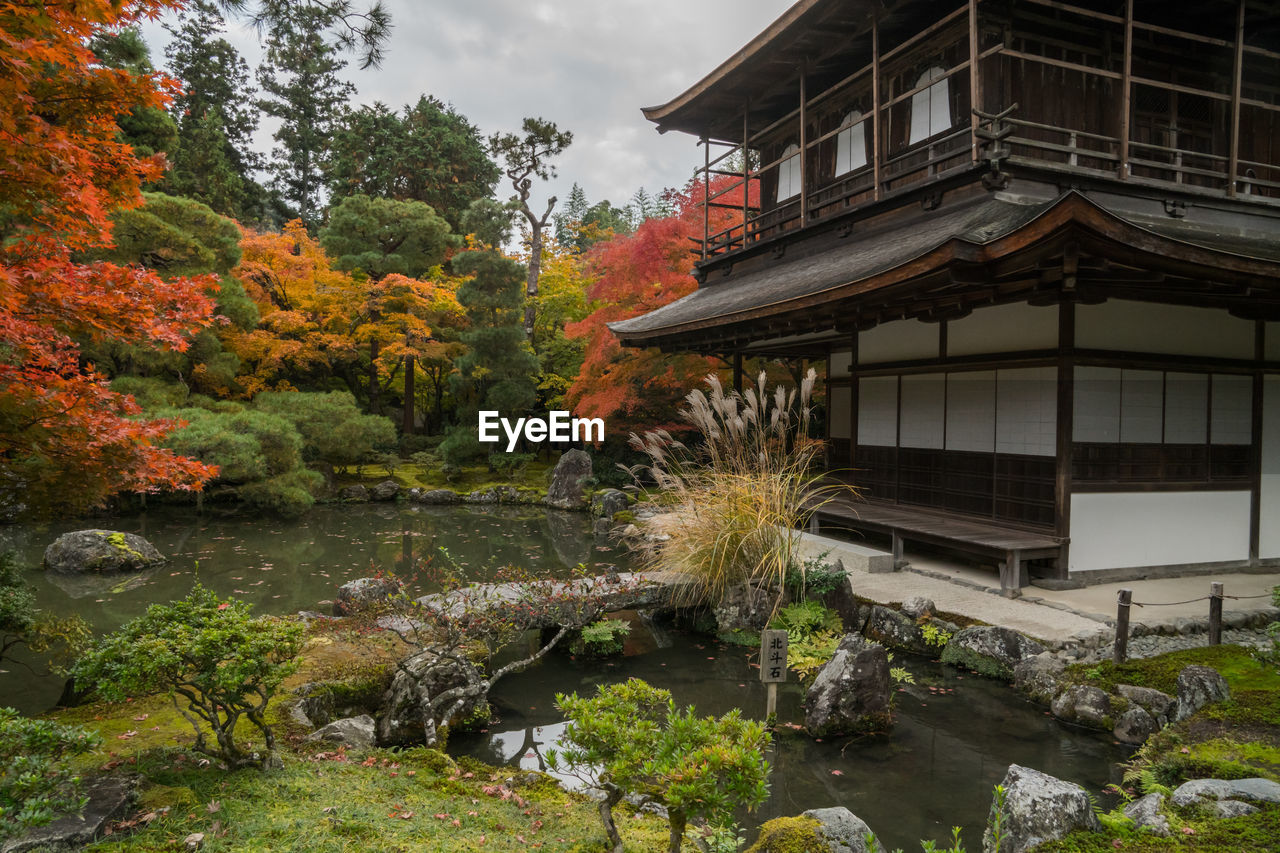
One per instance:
(789,173)
(931,107)
(851,144)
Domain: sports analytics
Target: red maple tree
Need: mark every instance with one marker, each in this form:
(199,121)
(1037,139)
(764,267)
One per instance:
(642,389)
(67,440)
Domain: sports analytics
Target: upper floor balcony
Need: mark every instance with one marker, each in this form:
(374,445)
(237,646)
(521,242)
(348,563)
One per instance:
(843,103)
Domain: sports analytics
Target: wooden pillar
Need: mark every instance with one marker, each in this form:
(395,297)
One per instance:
(1125,86)
(804,152)
(1255,472)
(975,101)
(876,145)
(853,401)
(1215,614)
(706,193)
(826,429)
(1065,425)
(737,372)
(1123,601)
(746,170)
(1233,161)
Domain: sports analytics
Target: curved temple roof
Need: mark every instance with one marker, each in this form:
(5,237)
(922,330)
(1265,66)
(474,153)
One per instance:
(872,263)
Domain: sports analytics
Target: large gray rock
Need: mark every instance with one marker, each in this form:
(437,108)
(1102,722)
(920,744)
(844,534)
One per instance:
(1082,704)
(1254,790)
(1231,808)
(1199,686)
(354,494)
(438,497)
(356,732)
(852,693)
(1037,808)
(404,718)
(110,798)
(101,551)
(917,607)
(1039,676)
(611,501)
(744,607)
(365,594)
(843,831)
(896,630)
(1145,814)
(385,491)
(1158,705)
(566,490)
(1135,726)
(990,650)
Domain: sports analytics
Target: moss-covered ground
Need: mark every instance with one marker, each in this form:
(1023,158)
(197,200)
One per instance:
(471,478)
(1254,833)
(329,799)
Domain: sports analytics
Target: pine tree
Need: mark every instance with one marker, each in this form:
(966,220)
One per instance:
(300,80)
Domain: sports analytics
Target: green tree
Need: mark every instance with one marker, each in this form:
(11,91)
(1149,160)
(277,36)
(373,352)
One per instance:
(498,370)
(216,117)
(428,152)
(631,739)
(333,429)
(524,157)
(381,236)
(210,657)
(36,784)
(148,129)
(299,78)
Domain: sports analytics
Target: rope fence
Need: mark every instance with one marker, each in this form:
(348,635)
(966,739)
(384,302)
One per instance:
(1124,601)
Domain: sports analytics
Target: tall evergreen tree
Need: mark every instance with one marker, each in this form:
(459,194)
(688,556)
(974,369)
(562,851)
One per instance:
(147,128)
(428,152)
(299,77)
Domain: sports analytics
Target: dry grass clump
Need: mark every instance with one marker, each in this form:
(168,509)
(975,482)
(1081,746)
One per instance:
(743,491)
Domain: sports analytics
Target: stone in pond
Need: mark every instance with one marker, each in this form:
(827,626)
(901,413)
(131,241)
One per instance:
(101,551)
(567,480)
(843,831)
(1037,808)
(1090,706)
(354,494)
(990,650)
(1135,726)
(364,594)
(611,501)
(1038,676)
(851,694)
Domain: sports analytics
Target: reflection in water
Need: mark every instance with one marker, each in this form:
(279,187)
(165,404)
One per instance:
(284,566)
(954,738)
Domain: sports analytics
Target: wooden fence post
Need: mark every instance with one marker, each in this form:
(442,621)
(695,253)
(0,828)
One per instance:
(1122,625)
(1215,613)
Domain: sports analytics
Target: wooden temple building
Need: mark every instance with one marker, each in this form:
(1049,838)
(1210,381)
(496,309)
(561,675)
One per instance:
(1036,244)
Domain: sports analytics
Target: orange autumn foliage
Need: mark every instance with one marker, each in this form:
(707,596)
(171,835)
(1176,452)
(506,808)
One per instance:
(66,440)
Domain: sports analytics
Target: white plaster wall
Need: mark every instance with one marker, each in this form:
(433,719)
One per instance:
(971,411)
(1186,411)
(841,395)
(1269,540)
(1124,530)
(923,404)
(1141,406)
(1097,404)
(1231,417)
(1272,343)
(878,411)
(1027,411)
(898,341)
(1119,324)
(1004,328)
(841,360)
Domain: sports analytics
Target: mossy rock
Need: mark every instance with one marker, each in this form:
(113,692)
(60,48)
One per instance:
(790,835)
(625,516)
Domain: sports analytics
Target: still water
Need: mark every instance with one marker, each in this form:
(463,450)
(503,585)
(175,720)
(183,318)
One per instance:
(285,566)
(955,735)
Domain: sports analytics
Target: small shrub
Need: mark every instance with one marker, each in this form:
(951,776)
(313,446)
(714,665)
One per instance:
(935,636)
(804,618)
(207,654)
(814,577)
(35,783)
(510,466)
(601,639)
(809,653)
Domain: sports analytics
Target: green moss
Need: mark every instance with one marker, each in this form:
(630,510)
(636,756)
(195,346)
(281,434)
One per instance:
(790,835)
(960,656)
(740,637)
(153,798)
(1248,834)
(624,516)
(1237,665)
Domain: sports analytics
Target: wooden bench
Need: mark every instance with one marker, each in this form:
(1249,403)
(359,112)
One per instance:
(1010,546)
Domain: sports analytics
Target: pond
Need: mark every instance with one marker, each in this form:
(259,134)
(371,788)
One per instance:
(954,737)
(285,566)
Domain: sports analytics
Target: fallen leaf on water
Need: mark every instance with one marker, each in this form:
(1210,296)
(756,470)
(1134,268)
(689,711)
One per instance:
(837,772)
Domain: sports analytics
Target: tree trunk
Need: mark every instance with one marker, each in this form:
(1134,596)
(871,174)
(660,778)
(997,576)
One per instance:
(375,405)
(531,281)
(612,797)
(408,395)
(677,821)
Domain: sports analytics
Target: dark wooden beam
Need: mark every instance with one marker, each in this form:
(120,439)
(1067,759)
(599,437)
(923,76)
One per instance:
(1066,420)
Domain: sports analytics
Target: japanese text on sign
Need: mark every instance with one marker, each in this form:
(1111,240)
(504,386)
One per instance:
(773,656)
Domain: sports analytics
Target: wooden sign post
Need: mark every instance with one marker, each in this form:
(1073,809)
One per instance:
(773,666)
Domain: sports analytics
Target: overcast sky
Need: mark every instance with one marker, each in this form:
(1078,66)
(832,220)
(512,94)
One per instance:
(587,65)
